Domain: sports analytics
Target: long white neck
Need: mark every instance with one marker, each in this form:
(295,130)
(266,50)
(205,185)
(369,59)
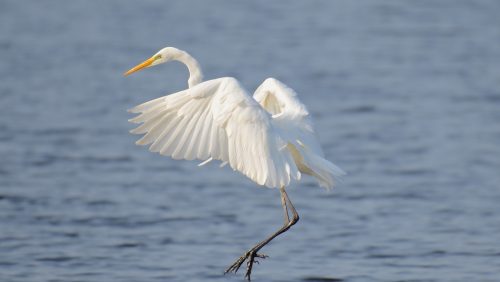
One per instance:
(195,74)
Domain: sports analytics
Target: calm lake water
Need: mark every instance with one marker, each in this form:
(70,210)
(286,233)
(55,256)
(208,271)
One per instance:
(405,97)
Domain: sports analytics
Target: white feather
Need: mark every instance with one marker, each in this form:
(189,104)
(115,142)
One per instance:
(291,120)
(269,138)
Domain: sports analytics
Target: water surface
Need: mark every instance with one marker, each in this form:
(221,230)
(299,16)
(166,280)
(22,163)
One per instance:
(405,96)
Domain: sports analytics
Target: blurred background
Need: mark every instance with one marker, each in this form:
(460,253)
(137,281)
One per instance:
(405,96)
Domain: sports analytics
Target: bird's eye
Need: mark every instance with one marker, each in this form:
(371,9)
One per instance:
(157,57)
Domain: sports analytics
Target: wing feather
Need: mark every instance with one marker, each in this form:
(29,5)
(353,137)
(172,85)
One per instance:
(203,151)
(147,126)
(291,120)
(148,115)
(216,119)
(153,133)
(181,150)
(159,143)
(194,142)
(173,140)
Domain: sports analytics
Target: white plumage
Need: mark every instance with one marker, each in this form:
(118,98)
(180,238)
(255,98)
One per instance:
(269,138)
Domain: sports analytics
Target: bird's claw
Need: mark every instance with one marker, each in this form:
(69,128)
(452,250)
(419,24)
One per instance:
(250,258)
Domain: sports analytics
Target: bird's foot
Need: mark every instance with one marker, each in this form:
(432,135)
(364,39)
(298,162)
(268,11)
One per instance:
(250,257)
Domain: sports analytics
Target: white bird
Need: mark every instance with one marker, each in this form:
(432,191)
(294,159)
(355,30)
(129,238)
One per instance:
(269,138)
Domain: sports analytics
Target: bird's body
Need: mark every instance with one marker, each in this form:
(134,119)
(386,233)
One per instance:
(268,137)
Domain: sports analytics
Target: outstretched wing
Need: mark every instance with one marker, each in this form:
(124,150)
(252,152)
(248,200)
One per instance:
(216,119)
(291,120)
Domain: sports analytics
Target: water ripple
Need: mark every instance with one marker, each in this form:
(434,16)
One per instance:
(404,97)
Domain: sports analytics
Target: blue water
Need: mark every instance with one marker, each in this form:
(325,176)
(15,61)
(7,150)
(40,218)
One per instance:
(405,96)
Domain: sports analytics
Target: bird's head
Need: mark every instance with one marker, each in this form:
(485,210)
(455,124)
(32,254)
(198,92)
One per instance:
(164,55)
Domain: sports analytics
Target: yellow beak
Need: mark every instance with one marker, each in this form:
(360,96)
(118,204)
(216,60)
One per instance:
(140,66)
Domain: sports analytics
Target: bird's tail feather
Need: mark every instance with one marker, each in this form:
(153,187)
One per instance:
(326,172)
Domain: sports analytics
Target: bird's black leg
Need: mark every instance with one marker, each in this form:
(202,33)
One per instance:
(252,253)
(285,207)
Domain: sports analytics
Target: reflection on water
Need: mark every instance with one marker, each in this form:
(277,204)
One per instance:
(404,96)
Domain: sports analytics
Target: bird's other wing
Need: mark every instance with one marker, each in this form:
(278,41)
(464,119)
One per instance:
(217,119)
(292,121)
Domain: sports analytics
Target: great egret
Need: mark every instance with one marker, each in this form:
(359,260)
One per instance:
(269,138)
